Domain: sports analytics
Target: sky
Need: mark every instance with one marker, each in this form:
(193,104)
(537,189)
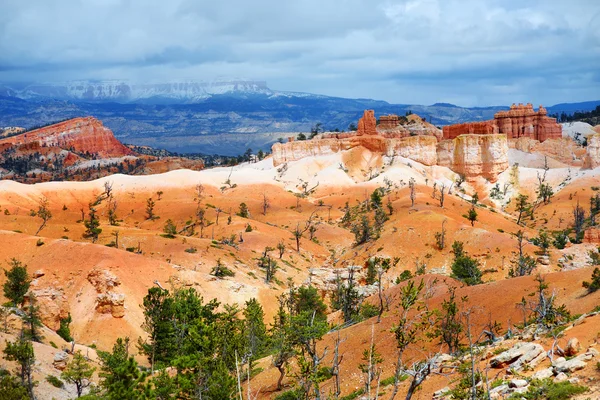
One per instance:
(466,52)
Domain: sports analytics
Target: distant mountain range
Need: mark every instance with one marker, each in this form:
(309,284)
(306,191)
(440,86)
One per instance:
(222,117)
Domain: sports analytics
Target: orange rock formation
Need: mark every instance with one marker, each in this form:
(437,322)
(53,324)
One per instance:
(520,121)
(367,125)
(81,134)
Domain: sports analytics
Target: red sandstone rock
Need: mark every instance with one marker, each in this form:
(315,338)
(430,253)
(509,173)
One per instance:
(520,121)
(81,134)
(367,125)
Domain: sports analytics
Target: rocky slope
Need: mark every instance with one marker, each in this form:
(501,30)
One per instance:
(102,284)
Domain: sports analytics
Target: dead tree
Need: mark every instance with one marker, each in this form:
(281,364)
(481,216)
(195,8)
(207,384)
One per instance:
(43,212)
(411,185)
(265,204)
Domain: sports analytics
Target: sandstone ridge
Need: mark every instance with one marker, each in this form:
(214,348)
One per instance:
(84,135)
(520,121)
(471,155)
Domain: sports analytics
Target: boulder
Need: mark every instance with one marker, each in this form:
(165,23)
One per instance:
(521,354)
(103,280)
(563,365)
(561,377)
(499,392)
(111,303)
(61,359)
(517,383)
(573,347)
(543,374)
(439,394)
(38,274)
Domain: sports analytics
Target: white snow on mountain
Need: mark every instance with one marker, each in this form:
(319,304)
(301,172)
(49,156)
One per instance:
(126,91)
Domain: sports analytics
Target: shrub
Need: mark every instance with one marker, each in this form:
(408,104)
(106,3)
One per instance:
(467,270)
(405,275)
(368,310)
(64,331)
(549,390)
(170,229)
(191,250)
(293,394)
(594,285)
(54,381)
(248,228)
(221,271)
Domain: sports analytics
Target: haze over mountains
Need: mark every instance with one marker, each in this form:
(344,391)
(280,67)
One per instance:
(225,116)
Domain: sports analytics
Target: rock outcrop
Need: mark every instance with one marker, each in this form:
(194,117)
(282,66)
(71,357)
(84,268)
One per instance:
(470,155)
(84,135)
(419,148)
(592,155)
(520,121)
(520,355)
(565,150)
(475,155)
(367,125)
(53,305)
(108,301)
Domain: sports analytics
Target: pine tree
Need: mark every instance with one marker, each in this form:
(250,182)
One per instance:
(11,388)
(158,312)
(17,282)
(126,382)
(78,372)
(92,225)
(255,330)
(32,320)
(21,351)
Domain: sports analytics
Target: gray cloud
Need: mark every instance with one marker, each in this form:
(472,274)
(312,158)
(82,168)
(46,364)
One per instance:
(470,52)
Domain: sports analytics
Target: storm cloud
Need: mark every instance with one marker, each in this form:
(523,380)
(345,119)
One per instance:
(467,52)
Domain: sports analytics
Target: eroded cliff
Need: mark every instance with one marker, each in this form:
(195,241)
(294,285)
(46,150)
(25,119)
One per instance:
(83,135)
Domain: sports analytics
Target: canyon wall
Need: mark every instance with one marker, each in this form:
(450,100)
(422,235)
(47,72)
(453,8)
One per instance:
(470,155)
(80,134)
(419,148)
(520,121)
(411,137)
(475,155)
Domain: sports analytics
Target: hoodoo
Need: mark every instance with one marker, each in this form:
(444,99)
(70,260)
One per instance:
(520,121)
